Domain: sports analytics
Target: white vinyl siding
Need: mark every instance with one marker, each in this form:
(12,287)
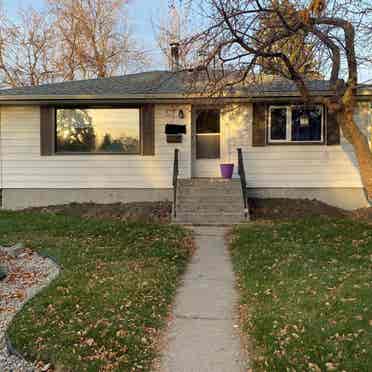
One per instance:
(293,166)
(23,167)
(280,166)
(289,112)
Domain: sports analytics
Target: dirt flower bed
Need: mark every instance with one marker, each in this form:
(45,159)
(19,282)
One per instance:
(292,209)
(160,212)
(157,212)
(363,214)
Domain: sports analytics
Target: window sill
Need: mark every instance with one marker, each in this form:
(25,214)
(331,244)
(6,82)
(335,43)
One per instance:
(95,153)
(307,143)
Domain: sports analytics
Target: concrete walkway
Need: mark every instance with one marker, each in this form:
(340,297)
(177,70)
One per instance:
(202,336)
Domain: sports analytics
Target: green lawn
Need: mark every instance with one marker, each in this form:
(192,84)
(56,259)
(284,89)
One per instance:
(306,294)
(105,310)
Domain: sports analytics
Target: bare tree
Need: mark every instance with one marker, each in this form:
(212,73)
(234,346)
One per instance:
(27,50)
(69,42)
(95,38)
(71,39)
(337,30)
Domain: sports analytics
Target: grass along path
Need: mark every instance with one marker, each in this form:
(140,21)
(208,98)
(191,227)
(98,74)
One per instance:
(105,310)
(306,294)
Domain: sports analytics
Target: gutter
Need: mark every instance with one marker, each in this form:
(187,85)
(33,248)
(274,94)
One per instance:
(363,94)
(145,98)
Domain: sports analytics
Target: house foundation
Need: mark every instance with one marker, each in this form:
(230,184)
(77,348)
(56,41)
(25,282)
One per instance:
(345,198)
(13,199)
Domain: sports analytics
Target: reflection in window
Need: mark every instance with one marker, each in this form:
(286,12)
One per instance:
(208,121)
(296,123)
(306,124)
(278,128)
(98,130)
(208,134)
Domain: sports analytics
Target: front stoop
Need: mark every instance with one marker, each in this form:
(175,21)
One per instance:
(209,201)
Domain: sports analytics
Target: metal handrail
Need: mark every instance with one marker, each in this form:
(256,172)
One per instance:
(175,180)
(243,182)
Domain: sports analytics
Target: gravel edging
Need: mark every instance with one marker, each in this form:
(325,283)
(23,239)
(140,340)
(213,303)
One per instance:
(15,291)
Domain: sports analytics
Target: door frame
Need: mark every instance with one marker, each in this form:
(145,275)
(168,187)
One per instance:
(194,110)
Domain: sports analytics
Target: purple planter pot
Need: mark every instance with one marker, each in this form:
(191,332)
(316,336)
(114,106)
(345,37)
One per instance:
(227,170)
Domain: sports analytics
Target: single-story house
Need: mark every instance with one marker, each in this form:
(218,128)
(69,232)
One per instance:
(113,140)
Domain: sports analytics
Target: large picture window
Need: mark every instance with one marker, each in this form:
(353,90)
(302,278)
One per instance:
(296,124)
(98,130)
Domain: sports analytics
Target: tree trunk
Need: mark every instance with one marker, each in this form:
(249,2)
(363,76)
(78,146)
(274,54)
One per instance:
(353,134)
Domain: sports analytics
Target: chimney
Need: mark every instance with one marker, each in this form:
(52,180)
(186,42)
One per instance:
(175,56)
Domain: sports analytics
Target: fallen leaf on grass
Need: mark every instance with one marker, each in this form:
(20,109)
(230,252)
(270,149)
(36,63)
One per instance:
(89,341)
(314,367)
(121,333)
(331,366)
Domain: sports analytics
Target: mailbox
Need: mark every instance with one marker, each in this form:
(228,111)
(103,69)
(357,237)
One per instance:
(174,132)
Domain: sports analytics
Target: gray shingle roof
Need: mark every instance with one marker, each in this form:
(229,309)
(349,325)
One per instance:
(287,86)
(147,83)
(153,82)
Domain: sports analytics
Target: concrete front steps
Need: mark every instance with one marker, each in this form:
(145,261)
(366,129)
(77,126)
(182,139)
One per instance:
(209,201)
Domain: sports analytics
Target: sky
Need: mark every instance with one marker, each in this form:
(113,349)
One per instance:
(141,12)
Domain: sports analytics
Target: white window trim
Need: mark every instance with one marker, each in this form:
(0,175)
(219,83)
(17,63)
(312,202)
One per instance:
(289,125)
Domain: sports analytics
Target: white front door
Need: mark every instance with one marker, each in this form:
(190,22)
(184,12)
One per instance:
(206,143)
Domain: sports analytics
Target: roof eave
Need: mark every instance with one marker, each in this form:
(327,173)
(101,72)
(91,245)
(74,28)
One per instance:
(148,97)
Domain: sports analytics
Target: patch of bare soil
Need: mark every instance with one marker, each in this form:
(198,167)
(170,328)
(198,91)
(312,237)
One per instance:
(160,212)
(289,209)
(363,214)
(156,212)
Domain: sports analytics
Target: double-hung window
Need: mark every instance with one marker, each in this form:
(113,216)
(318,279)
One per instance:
(296,124)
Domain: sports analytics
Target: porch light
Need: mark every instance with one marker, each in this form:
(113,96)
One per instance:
(304,120)
(181,114)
